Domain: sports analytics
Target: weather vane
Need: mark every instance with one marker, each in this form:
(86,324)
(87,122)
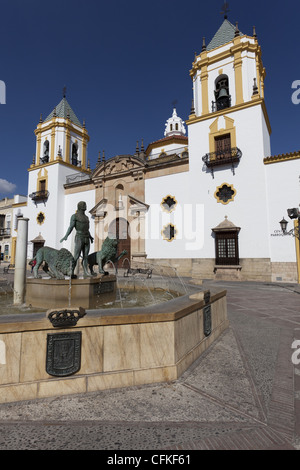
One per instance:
(64,91)
(174,103)
(225,10)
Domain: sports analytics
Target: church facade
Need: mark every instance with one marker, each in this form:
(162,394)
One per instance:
(206,198)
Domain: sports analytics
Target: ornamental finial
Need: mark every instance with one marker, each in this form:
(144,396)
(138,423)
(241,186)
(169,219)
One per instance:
(225,10)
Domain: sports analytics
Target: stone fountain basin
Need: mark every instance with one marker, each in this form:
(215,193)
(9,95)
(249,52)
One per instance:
(47,293)
(119,347)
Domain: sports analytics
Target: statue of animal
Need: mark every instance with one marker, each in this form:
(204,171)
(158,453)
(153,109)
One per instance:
(107,253)
(57,263)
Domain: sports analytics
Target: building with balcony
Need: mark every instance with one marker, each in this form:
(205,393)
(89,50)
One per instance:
(205,198)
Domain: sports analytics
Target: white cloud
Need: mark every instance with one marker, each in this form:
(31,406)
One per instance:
(6,186)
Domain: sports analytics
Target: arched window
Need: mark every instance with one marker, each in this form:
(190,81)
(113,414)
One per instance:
(75,154)
(45,157)
(222,96)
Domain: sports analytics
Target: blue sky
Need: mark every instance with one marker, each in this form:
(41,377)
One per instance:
(124,63)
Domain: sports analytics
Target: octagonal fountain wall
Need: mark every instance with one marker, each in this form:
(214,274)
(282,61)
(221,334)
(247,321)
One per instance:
(77,348)
(107,348)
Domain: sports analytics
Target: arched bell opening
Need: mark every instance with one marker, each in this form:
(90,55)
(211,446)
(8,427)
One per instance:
(222,95)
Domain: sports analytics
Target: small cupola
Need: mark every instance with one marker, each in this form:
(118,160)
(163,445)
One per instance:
(174,125)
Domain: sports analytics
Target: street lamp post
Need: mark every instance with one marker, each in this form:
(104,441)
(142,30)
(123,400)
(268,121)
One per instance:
(293,214)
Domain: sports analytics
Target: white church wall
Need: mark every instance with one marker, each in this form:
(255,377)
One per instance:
(248,209)
(283,193)
(53,208)
(156,189)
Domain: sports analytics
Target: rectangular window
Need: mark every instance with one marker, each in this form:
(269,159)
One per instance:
(223,146)
(42,185)
(227,252)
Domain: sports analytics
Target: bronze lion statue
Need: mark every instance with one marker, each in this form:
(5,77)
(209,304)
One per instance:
(107,253)
(57,263)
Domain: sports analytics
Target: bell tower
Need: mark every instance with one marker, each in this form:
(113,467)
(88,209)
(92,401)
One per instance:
(229,136)
(228,72)
(228,84)
(61,138)
(61,151)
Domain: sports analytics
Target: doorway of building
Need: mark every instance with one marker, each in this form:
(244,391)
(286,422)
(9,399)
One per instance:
(120,228)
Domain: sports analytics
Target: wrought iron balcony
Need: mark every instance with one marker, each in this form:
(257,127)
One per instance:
(5,232)
(39,196)
(222,157)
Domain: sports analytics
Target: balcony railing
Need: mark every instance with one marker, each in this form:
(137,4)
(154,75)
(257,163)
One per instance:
(227,156)
(39,196)
(5,232)
(221,103)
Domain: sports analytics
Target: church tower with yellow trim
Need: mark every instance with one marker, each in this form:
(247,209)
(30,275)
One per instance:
(61,152)
(229,136)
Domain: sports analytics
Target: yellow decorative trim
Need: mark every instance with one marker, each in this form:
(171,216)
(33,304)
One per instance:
(83,163)
(184,151)
(297,242)
(229,200)
(66,125)
(204,87)
(214,132)
(282,158)
(42,176)
(163,204)
(88,171)
(238,47)
(20,204)
(13,249)
(68,143)
(238,74)
(232,109)
(164,235)
(38,150)
(52,145)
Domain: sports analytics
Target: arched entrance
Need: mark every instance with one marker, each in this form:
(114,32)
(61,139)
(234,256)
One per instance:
(120,228)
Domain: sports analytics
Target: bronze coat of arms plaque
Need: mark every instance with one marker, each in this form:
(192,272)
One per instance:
(63,353)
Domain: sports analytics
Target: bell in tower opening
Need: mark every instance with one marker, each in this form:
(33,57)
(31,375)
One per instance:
(222,96)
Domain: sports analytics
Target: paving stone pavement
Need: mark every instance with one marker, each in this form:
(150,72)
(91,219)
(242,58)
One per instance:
(243,393)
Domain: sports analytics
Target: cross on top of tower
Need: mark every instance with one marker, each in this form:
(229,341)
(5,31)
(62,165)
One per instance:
(225,10)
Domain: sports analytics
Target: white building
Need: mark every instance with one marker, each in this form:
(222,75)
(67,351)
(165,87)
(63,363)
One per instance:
(207,203)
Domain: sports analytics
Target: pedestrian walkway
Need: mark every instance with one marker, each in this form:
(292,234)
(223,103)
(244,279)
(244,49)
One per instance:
(242,393)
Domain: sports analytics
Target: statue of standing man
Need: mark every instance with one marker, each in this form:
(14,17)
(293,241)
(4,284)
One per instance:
(81,223)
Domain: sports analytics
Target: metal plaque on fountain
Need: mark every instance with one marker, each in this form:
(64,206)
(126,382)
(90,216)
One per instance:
(63,354)
(207,320)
